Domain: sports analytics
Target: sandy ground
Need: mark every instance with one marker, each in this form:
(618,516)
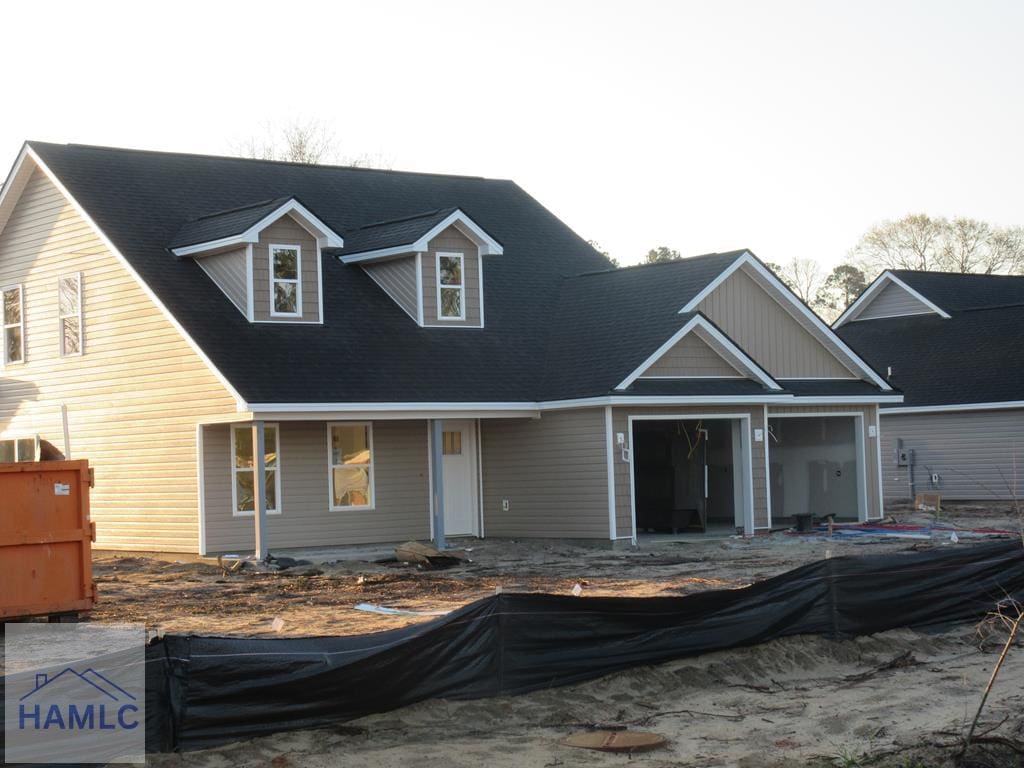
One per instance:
(802,701)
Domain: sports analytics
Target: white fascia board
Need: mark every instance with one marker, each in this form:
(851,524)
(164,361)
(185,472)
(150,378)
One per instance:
(487,245)
(698,321)
(14,184)
(853,311)
(840,400)
(239,400)
(1006,405)
(747,259)
(325,236)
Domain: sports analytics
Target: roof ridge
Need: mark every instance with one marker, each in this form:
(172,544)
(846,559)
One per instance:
(242,208)
(401,219)
(950,274)
(986,307)
(682,260)
(326,166)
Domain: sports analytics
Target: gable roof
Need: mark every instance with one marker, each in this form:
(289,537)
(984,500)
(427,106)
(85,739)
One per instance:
(411,234)
(215,226)
(567,332)
(971,354)
(888,281)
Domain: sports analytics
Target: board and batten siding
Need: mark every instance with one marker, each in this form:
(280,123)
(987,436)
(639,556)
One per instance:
(691,356)
(893,301)
(398,279)
(133,399)
(785,346)
(452,241)
(552,470)
(401,485)
(871,444)
(286,231)
(977,454)
(229,271)
(624,480)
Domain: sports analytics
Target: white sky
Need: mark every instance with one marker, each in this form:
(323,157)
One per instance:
(785,127)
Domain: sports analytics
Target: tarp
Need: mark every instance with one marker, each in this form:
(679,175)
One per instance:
(208,690)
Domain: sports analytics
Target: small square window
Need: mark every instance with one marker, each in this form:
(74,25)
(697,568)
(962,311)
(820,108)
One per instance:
(451,443)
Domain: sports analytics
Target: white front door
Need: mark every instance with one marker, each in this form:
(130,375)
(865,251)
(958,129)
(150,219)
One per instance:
(458,448)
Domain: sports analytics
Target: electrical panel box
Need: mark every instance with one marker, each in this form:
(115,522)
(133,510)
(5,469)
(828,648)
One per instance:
(904,455)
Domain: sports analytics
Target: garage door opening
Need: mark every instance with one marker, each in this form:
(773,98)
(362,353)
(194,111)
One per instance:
(816,467)
(689,476)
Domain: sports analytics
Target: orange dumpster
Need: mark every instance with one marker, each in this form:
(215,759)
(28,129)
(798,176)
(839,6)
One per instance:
(45,539)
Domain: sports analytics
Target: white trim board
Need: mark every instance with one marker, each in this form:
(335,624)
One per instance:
(702,323)
(1006,405)
(325,236)
(486,245)
(749,260)
(864,300)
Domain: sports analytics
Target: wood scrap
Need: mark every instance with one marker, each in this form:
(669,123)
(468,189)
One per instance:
(615,741)
(427,555)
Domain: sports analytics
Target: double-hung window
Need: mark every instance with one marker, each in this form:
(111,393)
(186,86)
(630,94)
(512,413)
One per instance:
(14,324)
(69,313)
(242,473)
(351,465)
(451,286)
(19,449)
(285,280)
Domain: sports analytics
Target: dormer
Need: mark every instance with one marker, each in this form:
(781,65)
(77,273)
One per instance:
(264,257)
(430,264)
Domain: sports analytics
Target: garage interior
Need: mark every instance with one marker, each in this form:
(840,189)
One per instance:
(684,476)
(814,468)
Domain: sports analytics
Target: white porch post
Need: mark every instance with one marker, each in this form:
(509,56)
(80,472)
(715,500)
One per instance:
(259,488)
(437,459)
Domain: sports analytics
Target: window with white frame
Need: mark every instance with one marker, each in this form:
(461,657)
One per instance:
(351,465)
(14,324)
(451,286)
(285,280)
(242,472)
(19,449)
(69,313)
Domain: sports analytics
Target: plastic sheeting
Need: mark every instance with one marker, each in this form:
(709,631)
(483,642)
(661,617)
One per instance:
(207,690)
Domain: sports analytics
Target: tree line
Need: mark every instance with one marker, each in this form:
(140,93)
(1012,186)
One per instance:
(916,241)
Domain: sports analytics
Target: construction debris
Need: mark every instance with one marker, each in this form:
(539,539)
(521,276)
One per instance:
(427,556)
(384,610)
(615,741)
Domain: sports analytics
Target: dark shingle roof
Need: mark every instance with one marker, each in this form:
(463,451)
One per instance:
(954,291)
(975,356)
(215,226)
(720,387)
(389,234)
(607,323)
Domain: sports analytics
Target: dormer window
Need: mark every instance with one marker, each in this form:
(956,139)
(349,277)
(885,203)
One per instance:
(451,290)
(285,283)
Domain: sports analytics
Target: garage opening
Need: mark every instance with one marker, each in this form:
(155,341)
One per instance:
(815,468)
(689,476)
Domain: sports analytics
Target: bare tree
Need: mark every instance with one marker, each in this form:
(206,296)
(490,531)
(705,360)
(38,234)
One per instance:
(803,276)
(922,242)
(310,141)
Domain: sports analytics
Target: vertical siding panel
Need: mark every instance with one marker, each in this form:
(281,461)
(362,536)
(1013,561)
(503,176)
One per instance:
(893,301)
(133,398)
(769,333)
(398,278)
(554,472)
(229,270)
(691,356)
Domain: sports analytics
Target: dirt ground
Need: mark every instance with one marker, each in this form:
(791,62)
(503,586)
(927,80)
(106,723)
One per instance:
(892,699)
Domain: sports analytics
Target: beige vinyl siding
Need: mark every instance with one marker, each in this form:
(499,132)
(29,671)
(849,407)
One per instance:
(133,398)
(553,471)
(228,271)
(286,231)
(691,356)
(401,484)
(452,241)
(871,444)
(398,279)
(893,301)
(624,480)
(784,345)
(978,455)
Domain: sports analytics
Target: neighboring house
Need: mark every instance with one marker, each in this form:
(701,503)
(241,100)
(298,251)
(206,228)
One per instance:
(416,350)
(954,345)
